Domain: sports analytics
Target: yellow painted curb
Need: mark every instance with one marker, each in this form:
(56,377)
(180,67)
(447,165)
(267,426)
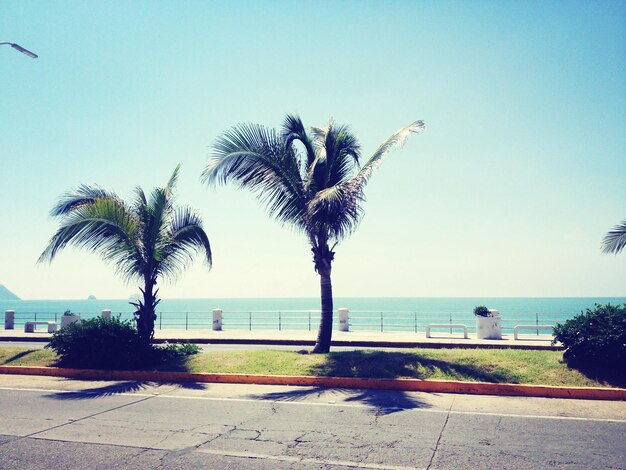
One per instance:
(413,385)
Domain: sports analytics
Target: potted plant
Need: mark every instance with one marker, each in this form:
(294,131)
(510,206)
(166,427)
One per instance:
(488,323)
(68,318)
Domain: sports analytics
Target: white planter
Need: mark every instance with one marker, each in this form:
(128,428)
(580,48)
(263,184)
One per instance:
(488,328)
(68,320)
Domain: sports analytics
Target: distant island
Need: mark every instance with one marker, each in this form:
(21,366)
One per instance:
(91,297)
(6,294)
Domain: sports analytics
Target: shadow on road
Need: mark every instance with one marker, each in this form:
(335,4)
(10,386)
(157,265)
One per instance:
(118,388)
(382,401)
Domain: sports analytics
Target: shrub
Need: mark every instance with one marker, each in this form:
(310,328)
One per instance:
(178,350)
(102,343)
(595,338)
(482,311)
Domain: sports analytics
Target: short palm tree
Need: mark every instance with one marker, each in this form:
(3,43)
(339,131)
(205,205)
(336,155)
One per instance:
(615,240)
(310,179)
(145,239)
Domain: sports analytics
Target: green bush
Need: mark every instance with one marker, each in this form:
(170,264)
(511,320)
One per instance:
(111,344)
(481,311)
(100,343)
(595,338)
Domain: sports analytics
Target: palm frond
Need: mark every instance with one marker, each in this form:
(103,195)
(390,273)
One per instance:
(294,131)
(256,158)
(106,226)
(185,239)
(336,210)
(397,140)
(342,153)
(84,194)
(615,240)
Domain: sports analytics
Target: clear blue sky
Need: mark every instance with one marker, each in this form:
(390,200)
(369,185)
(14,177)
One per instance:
(508,193)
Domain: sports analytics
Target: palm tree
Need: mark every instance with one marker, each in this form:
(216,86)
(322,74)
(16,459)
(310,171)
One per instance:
(615,240)
(309,179)
(145,239)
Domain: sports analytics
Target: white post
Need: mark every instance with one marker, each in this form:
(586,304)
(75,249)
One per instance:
(217,319)
(9,319)
(106,314)
(343,319)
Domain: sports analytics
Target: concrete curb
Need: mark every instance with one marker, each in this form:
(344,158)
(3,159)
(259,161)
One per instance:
(413,385)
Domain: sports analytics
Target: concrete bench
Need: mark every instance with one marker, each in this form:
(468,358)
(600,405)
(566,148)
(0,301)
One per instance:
(446,325)
(29,326)
(531,327)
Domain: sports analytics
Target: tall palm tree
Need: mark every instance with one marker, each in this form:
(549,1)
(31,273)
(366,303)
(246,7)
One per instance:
(145,239)
(615,240)
(311,179)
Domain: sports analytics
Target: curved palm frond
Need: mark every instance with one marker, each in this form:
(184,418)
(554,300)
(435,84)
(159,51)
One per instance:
(84,194)
(154,215)
(185,238)
(294,131)
(337,155)
(615,240)
(342,152)
(106,226)
(336,210)
(256,158)
(397,140)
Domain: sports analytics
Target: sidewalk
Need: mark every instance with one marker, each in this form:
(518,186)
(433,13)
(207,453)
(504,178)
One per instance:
(340,338)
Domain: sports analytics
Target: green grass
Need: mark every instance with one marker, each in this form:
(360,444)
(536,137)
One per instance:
(477,365)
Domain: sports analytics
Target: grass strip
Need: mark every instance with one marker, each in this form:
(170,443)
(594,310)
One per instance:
(472,365)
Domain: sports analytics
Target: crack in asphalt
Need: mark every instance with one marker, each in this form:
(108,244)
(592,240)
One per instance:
(432,457)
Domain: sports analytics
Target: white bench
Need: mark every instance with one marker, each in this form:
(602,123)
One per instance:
(446,325)
(530,327)
(29,326)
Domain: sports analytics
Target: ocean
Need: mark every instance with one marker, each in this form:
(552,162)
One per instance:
(366,313)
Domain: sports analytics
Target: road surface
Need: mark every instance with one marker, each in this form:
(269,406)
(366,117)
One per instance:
(48,423)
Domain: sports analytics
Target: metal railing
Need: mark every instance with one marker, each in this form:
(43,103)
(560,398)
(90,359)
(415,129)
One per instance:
(308,320)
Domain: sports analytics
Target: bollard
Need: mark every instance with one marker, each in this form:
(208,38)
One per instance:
(68,319)
(343,319)
(489,327)
(217,319)
(106,314)
(9,319)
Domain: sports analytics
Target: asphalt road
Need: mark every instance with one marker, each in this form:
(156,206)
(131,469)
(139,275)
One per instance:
(60,423)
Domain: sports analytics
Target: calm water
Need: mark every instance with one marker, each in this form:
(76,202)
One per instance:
(398,313)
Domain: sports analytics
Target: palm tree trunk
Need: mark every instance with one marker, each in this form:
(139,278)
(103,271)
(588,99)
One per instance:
(325,332)
(145,313)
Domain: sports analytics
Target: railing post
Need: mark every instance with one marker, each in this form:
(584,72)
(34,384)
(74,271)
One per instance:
(250,320)
(35,316)
(537,321)
(415,313)
(343,319)
(381,322)
(279,322)
(9,319)
(451,322)
(186,320)
(106,314)
(309,320)
(160,320)
(217,319)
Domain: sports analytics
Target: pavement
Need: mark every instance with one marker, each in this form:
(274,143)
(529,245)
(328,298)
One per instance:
(340,338)
(48,422)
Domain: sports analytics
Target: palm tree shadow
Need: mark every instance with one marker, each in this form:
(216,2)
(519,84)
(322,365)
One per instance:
(119,388)
(18,356)
(382,402)
(391,365)
(101,392)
